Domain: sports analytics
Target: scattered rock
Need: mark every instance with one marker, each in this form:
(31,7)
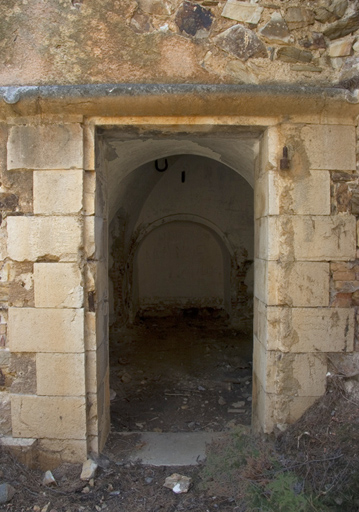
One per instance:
(88,470)
(221,401)
(238,404)
(194,20)
(276,30)
(343,27)
(48,479)
(292,54)
(341,48)
(242,11)
(241,42)
(86,490)
(113,395)
(178,483)
(6,493)
(126,378)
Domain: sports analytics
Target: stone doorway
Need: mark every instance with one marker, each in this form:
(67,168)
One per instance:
(181,274)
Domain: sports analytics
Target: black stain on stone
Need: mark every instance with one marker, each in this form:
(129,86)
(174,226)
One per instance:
(8,202)
(191,18)
(91,301)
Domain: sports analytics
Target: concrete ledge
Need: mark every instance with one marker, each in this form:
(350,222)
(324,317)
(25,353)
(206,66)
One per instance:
(177,100)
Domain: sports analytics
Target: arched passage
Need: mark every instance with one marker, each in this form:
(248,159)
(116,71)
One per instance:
(181,264)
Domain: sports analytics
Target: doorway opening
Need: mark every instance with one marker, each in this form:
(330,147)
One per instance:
(180,211)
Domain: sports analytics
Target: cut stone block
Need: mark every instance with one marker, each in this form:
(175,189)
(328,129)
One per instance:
(307,330)
(303,284)
(89,147)
(324,238)
(298,284)
(60,374)
(46,330)
(45,147)
(58,192)
(307,194)
(307,238)
(31,238)
(52,452)
(5,414)
(89,192)
(270,410)
(23,449)
(288,373)
(58,285)
(48,417)
(330,147)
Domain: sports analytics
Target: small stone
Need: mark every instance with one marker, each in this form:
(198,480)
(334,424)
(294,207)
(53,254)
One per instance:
(221,401)
(45,508)
(113,395)
(140,23)
(298,17)
(316,42)
(241,42)
(306,68)
(126,378)
(324,15)
(238,404)
(36,508)
(92,482)
(88,470)
(159,7)
(292,54)
(48,479)
(201,388)
(341,47)
(178,483)
(338,7)
(148,480)
(86,490)
(276,30)
(249,399)
(6,493)
(242,11)
(194,20)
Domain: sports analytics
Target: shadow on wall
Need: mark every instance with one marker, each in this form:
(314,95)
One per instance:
(181,244)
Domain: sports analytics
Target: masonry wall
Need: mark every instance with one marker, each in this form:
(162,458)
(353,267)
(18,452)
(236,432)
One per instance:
(305,316)
(176,41)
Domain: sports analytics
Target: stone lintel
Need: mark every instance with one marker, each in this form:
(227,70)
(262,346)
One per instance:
(177,100)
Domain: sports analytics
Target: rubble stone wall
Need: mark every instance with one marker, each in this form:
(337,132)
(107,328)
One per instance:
(179,41)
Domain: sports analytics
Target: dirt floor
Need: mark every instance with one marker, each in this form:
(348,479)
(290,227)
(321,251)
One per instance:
(191,378)
(180,375)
